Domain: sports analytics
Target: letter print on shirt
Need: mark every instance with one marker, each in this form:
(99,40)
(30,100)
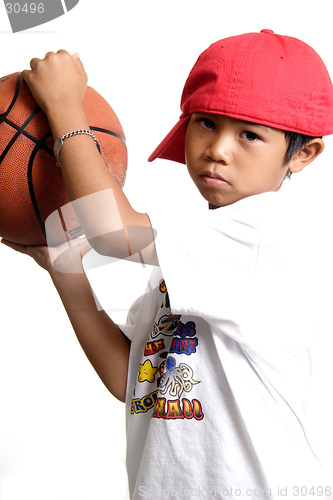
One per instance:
(163,367)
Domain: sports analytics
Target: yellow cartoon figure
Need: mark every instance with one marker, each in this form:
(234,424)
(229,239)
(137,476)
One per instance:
(147,372)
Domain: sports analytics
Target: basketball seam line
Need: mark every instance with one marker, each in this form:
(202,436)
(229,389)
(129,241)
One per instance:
(21,131)
(32,191)
(17,90)
(110,132)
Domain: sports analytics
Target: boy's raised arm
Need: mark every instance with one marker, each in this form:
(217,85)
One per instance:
(58,84)
(103,342)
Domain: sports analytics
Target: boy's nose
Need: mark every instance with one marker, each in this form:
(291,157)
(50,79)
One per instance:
(219,150)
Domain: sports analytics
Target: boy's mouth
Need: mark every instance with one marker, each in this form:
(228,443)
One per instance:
(213,179)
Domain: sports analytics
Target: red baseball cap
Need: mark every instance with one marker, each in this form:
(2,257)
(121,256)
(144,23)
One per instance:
(264,78)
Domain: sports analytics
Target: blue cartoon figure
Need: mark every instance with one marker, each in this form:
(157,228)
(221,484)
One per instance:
(175,378)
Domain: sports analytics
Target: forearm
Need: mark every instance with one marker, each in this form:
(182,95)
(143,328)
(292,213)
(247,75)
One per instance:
(84,171)
(99,202)
(104,344)
(82,166)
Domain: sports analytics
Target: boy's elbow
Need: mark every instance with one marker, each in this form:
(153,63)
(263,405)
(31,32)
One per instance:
(134,243)
(120,397)
(111,245)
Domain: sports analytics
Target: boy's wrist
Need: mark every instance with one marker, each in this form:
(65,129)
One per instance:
(74,290)
(60,141)
(63,119)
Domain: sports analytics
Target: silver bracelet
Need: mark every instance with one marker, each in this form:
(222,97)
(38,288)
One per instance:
(60,140)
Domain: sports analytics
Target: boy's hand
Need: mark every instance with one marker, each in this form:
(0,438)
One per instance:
(58,80)
(66,258)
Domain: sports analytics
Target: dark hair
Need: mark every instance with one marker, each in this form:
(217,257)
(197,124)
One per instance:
(296,143)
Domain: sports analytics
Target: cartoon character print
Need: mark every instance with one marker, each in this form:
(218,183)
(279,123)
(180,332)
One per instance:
(147,372)
(166,325)
(175,379)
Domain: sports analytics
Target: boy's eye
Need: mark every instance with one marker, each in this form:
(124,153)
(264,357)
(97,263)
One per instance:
(249,136)
(206,123)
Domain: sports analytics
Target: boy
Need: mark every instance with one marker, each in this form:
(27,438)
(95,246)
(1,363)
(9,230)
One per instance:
(215,361)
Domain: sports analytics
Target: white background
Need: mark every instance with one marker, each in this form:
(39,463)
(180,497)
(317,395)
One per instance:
(62,436)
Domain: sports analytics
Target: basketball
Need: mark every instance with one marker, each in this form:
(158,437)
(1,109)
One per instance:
(31,184)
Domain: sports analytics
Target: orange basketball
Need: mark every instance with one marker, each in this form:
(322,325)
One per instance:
(31,184)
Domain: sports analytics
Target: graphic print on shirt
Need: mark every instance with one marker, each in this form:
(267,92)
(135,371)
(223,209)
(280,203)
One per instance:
(169,338)
(147,372)
(176,379)
(167,325)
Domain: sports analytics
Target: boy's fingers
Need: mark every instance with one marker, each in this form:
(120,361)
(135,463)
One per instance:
(49,54)
(36,252)
(15,246)
(34,61)
(25,74)
(62,51)
(79,63)
(66,258)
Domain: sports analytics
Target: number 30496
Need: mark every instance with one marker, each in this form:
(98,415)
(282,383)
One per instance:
(27,8)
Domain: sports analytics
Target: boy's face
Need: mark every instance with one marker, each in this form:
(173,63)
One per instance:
(230,159)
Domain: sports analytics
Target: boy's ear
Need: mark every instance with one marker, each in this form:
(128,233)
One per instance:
(306,155)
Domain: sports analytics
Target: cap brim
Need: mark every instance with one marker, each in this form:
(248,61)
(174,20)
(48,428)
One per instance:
(173,145)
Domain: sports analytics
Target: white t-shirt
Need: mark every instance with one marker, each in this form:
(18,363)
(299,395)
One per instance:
(221,356)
